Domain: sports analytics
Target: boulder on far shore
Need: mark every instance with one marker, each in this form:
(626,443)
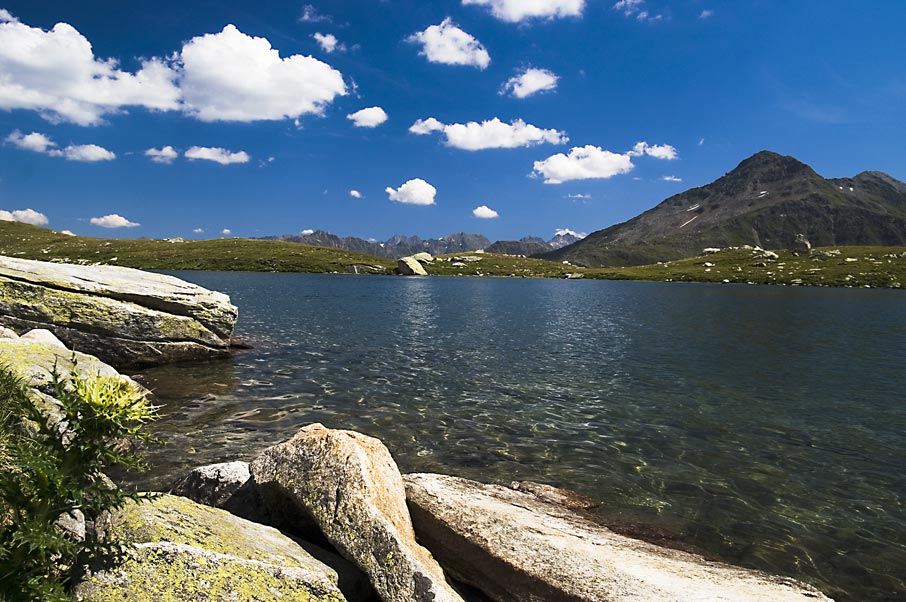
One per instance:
(125,317)
(409,266)
(423,257)
(350,485)
(514,546)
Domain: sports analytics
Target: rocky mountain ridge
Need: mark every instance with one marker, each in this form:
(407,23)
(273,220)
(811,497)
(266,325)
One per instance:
(767,200)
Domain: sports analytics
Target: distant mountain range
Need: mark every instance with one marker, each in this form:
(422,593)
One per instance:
(400,246)
(767,200)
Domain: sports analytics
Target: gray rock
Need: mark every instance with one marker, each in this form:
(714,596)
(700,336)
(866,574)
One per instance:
(213,485)
(181,551)
(802,244)
(72,523)
(6,333)
(43,337)
(555,495)
(125,317)
(423,257)
(409,266)
(350,485)
(514,546)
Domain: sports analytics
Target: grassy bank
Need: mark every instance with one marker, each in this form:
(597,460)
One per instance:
(832,266)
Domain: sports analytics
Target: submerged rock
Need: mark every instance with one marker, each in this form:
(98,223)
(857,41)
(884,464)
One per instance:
(409,266)
(179,551)
(126,317)
(515,546)
(350,485)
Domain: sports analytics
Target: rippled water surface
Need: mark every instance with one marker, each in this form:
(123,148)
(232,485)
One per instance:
(765,425)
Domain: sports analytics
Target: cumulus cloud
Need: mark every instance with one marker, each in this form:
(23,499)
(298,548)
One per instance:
(448,44)
(226,231)
(198,231)
(588,162)
(583,162)
(514,11)
(328,42)
(6,17)
(663,151)
(484,212)
(26,216)
(165,155)
(56,73)
(67,232)
(671,179)
(368,118)
(217,154)
(355,194)
(706,14)
(580,197)
(413,192)
(530,81)
(307,232)
(89,153)
(113,221)
(230,76)
(489,134)
(225,76)
(34,142)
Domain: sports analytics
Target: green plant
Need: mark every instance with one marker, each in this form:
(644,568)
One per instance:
(53,454)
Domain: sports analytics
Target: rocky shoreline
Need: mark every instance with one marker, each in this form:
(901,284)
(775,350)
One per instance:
(326,515)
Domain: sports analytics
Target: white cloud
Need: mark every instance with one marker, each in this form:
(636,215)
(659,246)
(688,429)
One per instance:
(311,15)
(634,8)
(35,142)
(368,118)
(663,151)
(568,232)
(56,73)
(328,42)
(67,232)
(671,179)
(217,154)
(198,231)
(113,221)
(530,81)
(484,212)
(706,14)
(229,76)
(587,162)
(6,17)
(448,44)
(307,232)
(701,142)
(89,153)
(581,197)
(489,134)
(413,192)
(26,216)
(165,155)
(583,162)
(226,231)
(355,194)
(514,11)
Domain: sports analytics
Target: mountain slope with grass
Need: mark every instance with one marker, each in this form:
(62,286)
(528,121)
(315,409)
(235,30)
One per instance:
(766,201)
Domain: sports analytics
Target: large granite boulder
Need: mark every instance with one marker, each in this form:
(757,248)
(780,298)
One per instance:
(125,317)
(178,550)
(410,266)
(350,485)
(513,545)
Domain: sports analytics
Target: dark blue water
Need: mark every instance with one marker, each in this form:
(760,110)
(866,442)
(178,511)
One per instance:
(765,425)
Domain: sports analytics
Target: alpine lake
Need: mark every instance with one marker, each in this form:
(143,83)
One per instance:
(761,425)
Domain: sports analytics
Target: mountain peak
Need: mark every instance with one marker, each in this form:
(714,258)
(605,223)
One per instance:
(771,163)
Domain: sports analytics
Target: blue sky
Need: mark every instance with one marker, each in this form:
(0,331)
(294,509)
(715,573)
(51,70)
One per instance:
(610,108)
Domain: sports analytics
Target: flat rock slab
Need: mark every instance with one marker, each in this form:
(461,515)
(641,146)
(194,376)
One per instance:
(126,317)
(514,546)
(410,266)
(178,550)
(350,485)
